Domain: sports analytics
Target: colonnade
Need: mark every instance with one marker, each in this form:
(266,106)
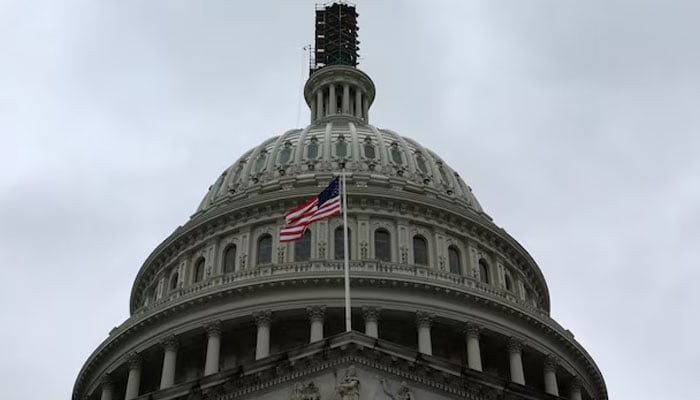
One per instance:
(316,316)
(325,103)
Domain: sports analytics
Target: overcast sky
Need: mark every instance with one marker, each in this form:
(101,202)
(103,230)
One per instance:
(576,123)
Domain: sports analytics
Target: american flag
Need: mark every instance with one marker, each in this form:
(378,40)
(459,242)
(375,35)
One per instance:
(325,205)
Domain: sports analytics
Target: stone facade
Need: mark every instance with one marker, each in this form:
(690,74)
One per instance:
(445,304)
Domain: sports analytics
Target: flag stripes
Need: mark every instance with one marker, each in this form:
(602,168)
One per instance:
(325,205)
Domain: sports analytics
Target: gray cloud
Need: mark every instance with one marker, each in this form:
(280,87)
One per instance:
(574,122)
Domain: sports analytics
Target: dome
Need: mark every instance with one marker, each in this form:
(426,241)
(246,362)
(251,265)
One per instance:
(378,158)
(444,304)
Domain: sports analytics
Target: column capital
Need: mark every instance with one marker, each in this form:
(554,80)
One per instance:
(213,328)
(263,317)
(472,330)
(316,313)
(515,345)
(134,360)
(107,381)
(371,313)
(170,342)
(576,383)
(424,319)
(551,362)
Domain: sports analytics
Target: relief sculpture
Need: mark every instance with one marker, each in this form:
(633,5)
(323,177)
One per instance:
(305,392)
(349,386)
(404,393)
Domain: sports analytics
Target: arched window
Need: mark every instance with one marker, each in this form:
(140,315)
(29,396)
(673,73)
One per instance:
(382,245)
(509,282)
(260,162)
(339,250)
(199,270)
(341,147)
(396,154)
(420,250)
(312,149)
(454,260)
(264,249)
(483,271)
(369,149)
(173,281)
(302,247)
(285,153)
(230,259)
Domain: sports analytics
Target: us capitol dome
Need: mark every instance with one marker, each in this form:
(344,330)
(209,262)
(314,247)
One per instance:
(445,304)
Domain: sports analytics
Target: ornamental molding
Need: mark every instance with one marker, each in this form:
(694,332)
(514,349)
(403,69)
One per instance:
(316,313)
(371,313)
(170,343)
(263,318)
(213,328)
(424,319)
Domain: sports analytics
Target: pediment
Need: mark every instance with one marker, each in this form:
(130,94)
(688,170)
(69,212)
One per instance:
(350,366)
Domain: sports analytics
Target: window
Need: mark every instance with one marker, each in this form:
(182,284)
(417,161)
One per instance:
(199,270)
(396,154)
(382,245)
(369,149)
(230,259)
(285,153)
(339,251)
(420,250)
(509,282)
(264,249)
(302,247)
(260,162)
(341,147)
(312,149)
(483,271)
(173,281)
(454,260)
(420,161)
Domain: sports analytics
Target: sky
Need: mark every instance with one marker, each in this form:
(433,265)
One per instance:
(576,123)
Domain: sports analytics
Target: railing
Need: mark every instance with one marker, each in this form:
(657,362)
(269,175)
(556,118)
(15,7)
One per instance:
(380,268)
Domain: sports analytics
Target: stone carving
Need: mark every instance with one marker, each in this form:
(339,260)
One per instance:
(262,317)
(424,319)
(551,362)
(280,254)
(305,392)
(242,261)
(404,393)
(371,313)
(364,250)
(349,386)
(472,330)
(514,345)
(316,313)
(170,342)
(213,328)
(404,255)
(322,249)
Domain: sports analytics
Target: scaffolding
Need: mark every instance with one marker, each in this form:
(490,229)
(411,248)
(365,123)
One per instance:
(335,40)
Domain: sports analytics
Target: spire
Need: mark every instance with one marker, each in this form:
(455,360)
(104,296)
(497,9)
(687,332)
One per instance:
(335,40)
(336,88)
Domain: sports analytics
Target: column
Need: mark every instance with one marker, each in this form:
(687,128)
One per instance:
(358,103)
(515,348)
(346,99)
(473,349)
(107,388)
(319,103)
(167,376)
(211,365)
(371,316)
(424,321)
(316,315)
(365,109)
(550,375)
(332,100)
(134,380)
(313,110)
(262,344)
(575,393)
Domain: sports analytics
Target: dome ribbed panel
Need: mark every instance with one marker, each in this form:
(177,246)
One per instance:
(378,153)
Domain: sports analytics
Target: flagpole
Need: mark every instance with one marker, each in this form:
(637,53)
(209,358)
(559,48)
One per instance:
(348,319)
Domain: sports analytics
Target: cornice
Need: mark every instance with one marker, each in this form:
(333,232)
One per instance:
(541,322)
(271,208)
